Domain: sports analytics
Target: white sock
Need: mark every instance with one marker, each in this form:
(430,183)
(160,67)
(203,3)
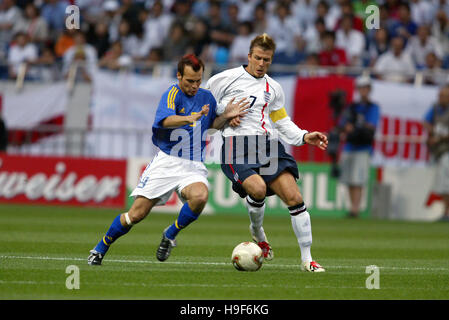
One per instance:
(256,210)
(303,230)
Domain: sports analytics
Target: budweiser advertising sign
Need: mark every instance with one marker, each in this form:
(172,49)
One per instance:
(62,180)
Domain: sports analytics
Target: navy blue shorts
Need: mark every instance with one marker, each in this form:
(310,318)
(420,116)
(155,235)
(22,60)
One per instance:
(244,156)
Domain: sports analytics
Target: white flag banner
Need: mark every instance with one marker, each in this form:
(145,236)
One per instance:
(400,136)
(123,109)
(36,104)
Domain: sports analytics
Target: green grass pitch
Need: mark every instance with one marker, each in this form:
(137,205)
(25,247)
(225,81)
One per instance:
(37,244)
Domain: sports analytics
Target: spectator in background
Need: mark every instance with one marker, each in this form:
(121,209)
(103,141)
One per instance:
(200,40)
(305,12)
(322,11)
(183,14)
(221,36)
(286,32)
(219,33)
(3,133)
(53,11)
(385,22)
(351,40)
(112,17)
(83,54)
(330,55)
(310,67)
(440,30)
(359,122)
(91,10)
(422,11)
(314,36)
(130,11)
(200,8)
(64,42)
(378,46)
(347,10)
(99,37)
(46,70)
(115,58)
(396,64)
(433,73)
(232,22)
(157,25)
(10,14)
(260,19)
(21,51)
(436,122)
(134,45)
(33,24)
(335,12)
(245,9)
(175,46)
(423,43)
(404,26)
(392,7)
(239,49)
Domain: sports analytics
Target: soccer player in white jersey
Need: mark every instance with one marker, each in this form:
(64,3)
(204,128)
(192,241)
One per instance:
(248,140)
(184,114)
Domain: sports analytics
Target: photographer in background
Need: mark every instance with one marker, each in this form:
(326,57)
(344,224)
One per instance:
(436,122)
(358,126)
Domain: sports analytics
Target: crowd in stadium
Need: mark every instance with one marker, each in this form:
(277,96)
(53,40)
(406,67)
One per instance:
(412,35)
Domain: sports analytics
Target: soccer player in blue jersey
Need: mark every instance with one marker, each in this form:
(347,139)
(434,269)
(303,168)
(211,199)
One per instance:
(184,114)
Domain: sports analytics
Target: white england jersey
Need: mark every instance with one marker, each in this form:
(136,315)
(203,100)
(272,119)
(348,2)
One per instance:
(266,97)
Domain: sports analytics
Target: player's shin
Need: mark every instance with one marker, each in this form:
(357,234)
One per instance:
(186,216)
(303,229)
(115,231)
(256,210)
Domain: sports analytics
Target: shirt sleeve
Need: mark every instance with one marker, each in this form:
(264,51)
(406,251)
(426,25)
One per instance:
(429,116)
(216,86)
(288,130)
(374,116)
(167,106)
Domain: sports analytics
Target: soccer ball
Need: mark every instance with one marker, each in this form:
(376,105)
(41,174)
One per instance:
(247,256)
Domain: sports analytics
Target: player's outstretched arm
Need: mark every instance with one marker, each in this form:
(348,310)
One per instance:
(316,139)
(233,110)
(176,121)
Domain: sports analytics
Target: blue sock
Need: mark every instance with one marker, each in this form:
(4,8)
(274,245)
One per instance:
(115,231)
(186,216)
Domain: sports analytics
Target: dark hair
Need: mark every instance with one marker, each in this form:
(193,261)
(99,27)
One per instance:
(330,34)
(404,5)
(263,41)
(190,60)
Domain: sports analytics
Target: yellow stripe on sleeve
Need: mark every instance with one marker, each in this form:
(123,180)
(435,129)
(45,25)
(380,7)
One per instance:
(278,114)
(173,99)
(169,95)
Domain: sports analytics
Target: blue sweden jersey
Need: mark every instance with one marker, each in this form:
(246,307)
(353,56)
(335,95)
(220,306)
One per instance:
(189,140)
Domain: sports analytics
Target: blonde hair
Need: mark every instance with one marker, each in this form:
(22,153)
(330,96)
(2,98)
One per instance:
(263,41)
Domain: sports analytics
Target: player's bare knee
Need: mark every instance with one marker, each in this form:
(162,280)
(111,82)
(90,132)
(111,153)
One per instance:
(139,210)
(258,191)
(198,201)
(293,199)
(136,215)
